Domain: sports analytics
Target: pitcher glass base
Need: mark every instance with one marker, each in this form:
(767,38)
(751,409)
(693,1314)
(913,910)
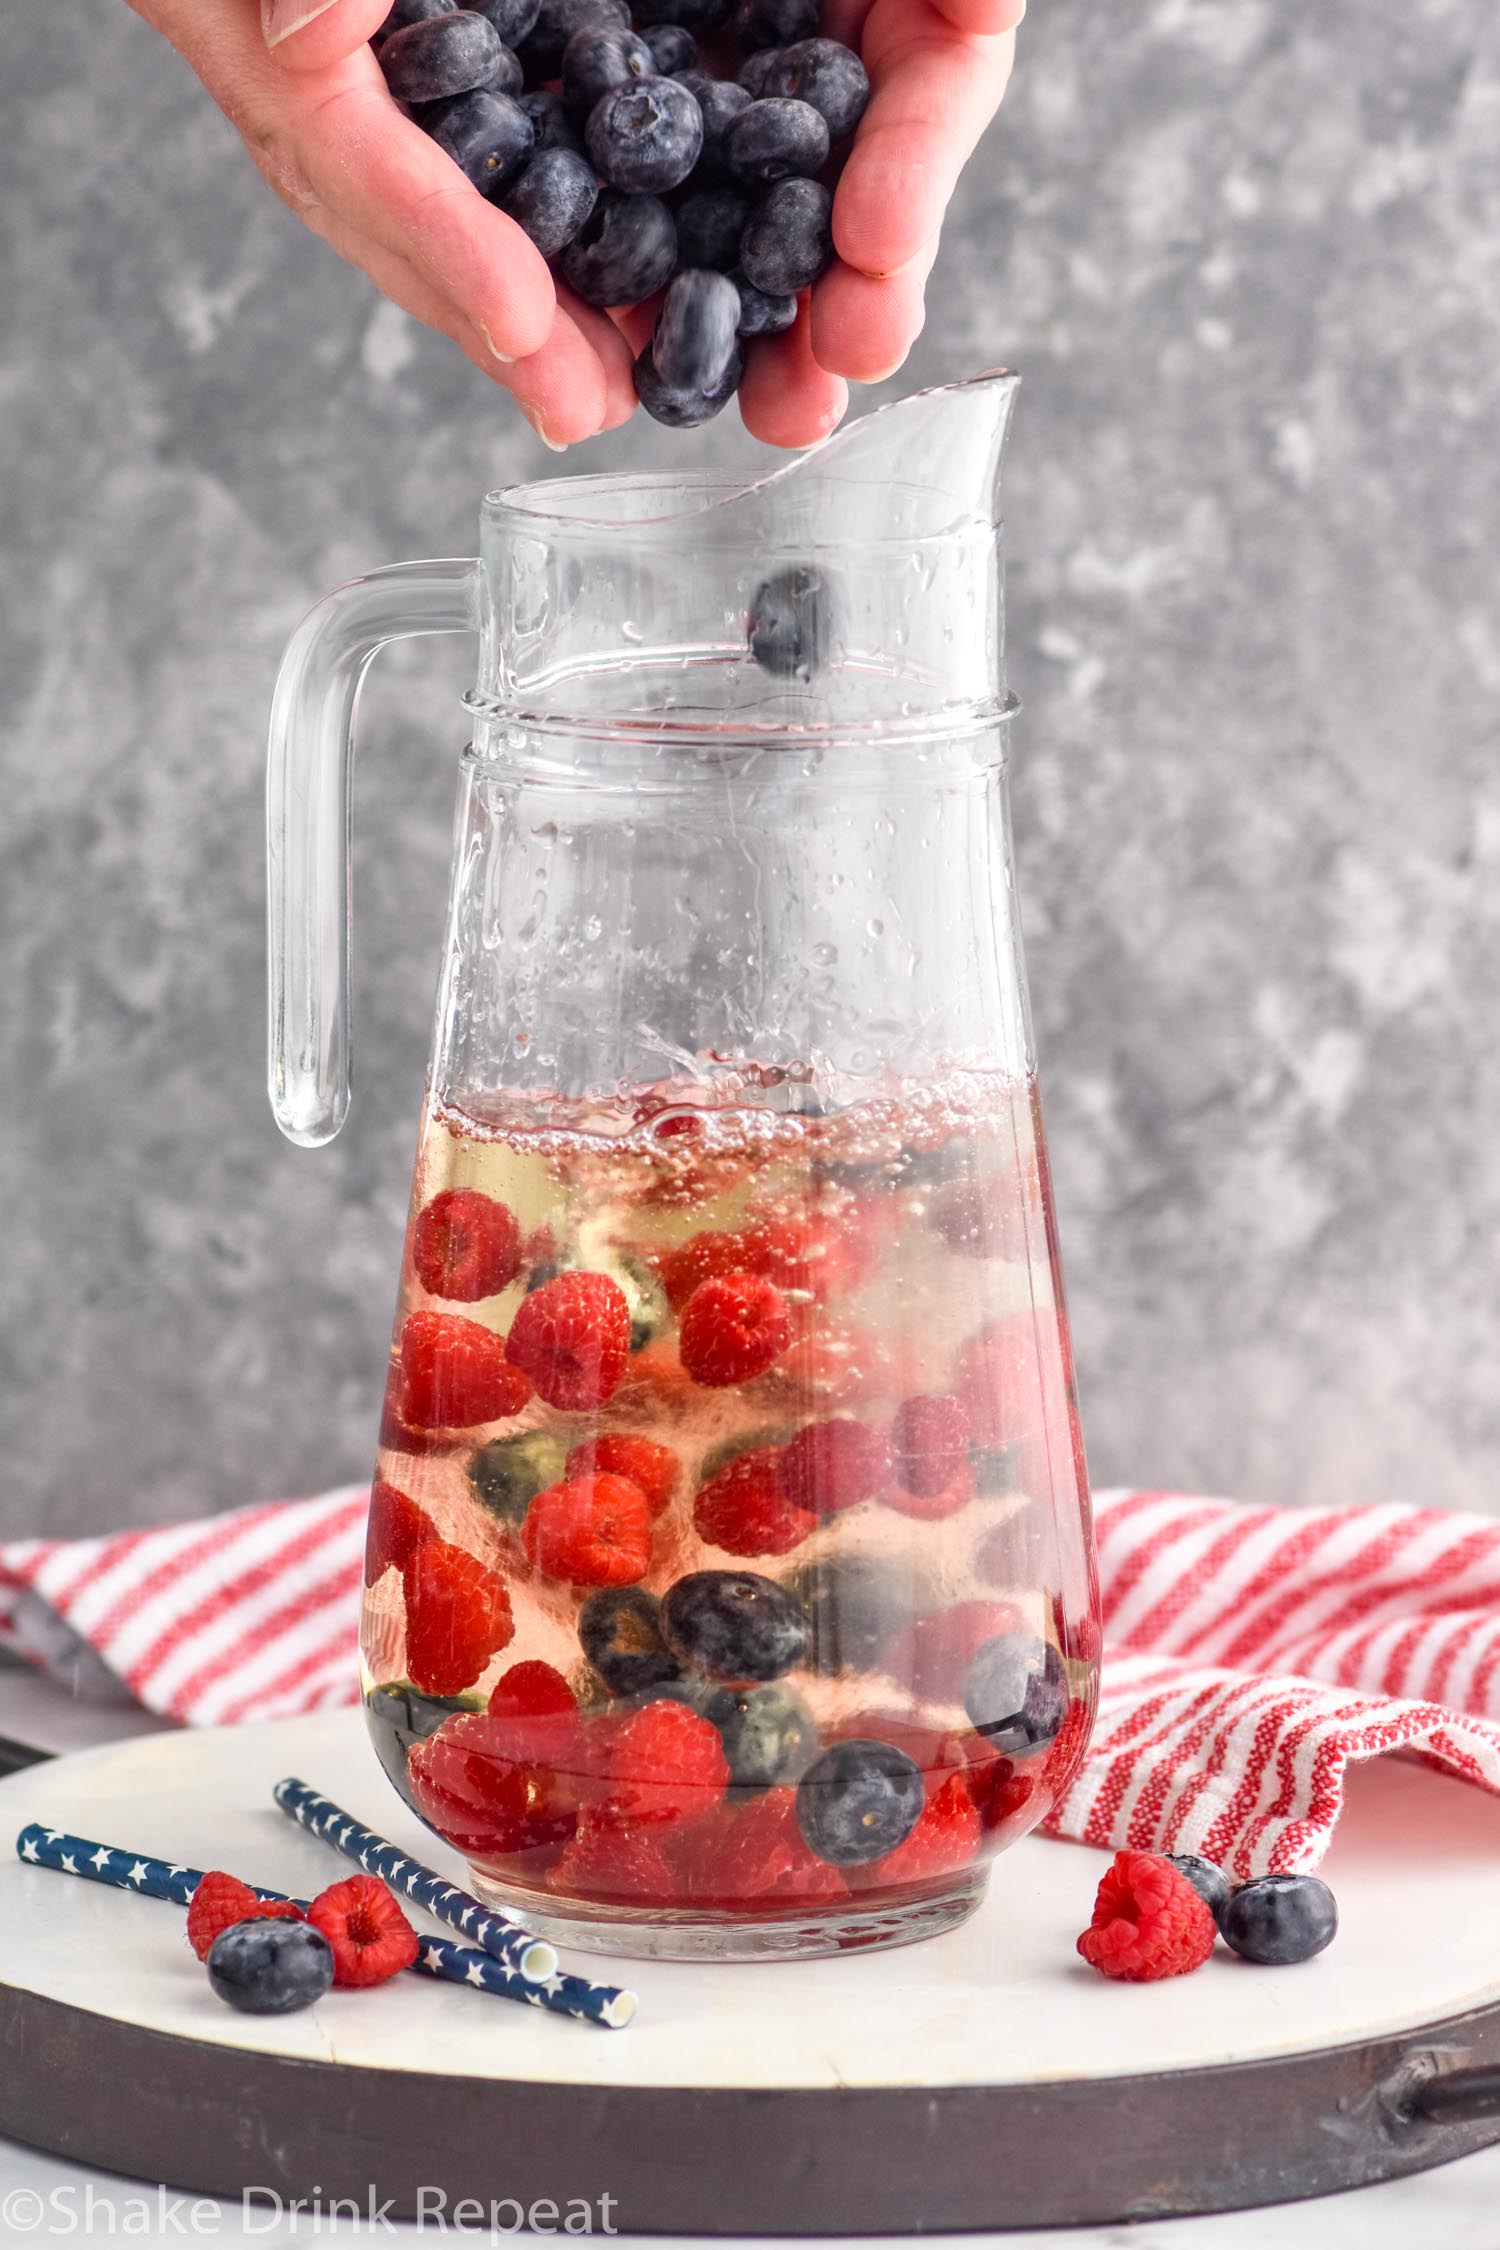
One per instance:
(669,1934)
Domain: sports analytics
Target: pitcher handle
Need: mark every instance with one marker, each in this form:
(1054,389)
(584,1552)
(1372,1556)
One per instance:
(307,822)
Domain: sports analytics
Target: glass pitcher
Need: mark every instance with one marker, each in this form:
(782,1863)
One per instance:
(730,1587)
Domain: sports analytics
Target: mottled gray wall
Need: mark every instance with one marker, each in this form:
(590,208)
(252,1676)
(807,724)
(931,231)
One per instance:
(1247,254)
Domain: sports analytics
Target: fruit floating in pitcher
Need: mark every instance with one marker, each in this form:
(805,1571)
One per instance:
(711,1566)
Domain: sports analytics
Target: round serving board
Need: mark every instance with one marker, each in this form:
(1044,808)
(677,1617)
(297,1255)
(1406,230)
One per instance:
(984,2079)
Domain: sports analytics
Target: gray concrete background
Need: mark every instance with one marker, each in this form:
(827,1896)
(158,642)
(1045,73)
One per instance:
(1247,255)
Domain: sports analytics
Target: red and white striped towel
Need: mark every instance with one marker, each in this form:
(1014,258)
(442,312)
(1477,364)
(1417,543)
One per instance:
(1251,1654)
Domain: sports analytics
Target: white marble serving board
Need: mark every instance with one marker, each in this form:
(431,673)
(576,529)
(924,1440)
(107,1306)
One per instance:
(1005,1999)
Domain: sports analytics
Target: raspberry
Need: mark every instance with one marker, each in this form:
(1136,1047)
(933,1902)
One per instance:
(811,1254)
(370,1936)
(757,1857)
(983,1219)
(536,1713)
(397,1435)
(572,1337)
(614,1863)
(592,1531)
(929,1446)
(657,1383)
(832,1364)
(455,1373)
(465,1245)
(702,1258)
(996,1378)
(945,1838)
(457,1617)
(222,1900)
(467,1782)
(940,1646)
(655,1468)
(666,1767)
(733,1327)
(833,1465)
(394,1529)
(1079,1636)
(744,1510)
(1001,1790)
(932,1507)
(1148,1922)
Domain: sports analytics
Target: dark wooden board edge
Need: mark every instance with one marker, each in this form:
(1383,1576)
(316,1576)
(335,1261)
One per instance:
(716,2161)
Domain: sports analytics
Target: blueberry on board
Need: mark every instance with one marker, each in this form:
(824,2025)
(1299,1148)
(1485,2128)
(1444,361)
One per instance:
(551,125)
(695,342)
(829,76)
(1278,1919)
(448,54)
(598,57)
(619,1628)
(269,1968)
(775,23)
(789,620)
(691,15)
(720,101)
(675,50)
(761,315)
(551,199)
(776,138)
(626,251)
(858,1801)
(506,1475)
(644,138)
(734,1624)
(756,71)
(1210,1882)
(789,239)
(513,19)
(1016,1693)
(680,409)
(768,1733)
(487,135)
(411,11)
(710,221)
(541,50)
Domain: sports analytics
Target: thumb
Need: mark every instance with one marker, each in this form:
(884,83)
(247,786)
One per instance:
(311,34)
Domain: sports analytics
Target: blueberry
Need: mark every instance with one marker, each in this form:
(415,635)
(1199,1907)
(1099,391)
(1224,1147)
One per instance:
(775,23)
(710,221)
(599,57)
(789,620)
(829,76)
(776,139)
(1278,1919)
(858,1801)
(761,315)
(551,199)
(556,22)
(268,1968)
(675,50)
(789,240)
(643,138)
(1210,1882)
(513,19)
(735,1624)
(450,54)
(1016,1692)
(854,1607)
(409,12)
(507,1474)
(487,135)
(768,1733)
(620,1630)
(551,125)
(694,346)
(757,69)
(627,251)
(683,409)
(721,102)
(690,15)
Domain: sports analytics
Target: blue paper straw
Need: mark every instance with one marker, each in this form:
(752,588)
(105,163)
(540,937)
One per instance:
(456,1964)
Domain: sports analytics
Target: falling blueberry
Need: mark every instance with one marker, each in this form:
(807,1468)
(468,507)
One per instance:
(270,1967)
(620,1631)
(488,137)
(1279,1919)
(735,1624)
(788,631)
(826,74)
(645,138)
(776,139)
(694,346)
(768,1733)
(858,1801)
(626,251)
(557,20)
(789,240)
(552,198)
(761,315)
(447,54)
(599,57)
(1210,1882)
(710,221)
(679,409)
(675,50)
(1016,1693)
(720,100)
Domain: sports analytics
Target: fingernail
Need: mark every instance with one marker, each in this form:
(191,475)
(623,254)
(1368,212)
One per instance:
(506,359)
(280,18)
(550,443)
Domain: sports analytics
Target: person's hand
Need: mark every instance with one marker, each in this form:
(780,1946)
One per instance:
(306,94)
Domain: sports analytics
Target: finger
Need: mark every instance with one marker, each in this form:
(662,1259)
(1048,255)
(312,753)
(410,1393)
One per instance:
(934,89)
(987,17)
(310,34)
(614,355)
(864,328)
(786,398)
(387,180)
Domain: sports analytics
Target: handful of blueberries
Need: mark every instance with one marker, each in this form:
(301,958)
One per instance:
(635,170)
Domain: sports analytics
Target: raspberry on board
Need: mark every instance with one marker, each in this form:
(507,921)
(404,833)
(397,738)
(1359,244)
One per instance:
(394,1529)
(833,1465)
(733,1328)
(222,1900)
(614,1863)
(655,1468)
(590,1531)
(1148,1922)
(572,1338)
(744,1511)
(946,1837)
(666,1767)
(465,1245)
(457,1617)
(370,1936)
(455,1373)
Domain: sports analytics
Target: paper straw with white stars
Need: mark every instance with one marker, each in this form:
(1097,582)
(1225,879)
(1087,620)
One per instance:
(120,1870)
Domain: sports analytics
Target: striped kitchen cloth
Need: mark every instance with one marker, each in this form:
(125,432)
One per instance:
(1251,1654)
